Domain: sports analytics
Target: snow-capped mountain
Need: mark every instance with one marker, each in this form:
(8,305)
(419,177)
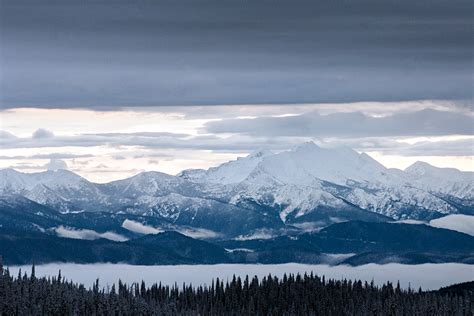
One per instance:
(307,178)
(448,181)
(16,182)
(305,187)
(60,188)
(150,184)
(228,173)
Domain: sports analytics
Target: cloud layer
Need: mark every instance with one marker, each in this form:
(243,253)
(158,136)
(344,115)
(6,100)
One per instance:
(458,222)
(352,124)
(139,228)
(115,144)
(147,53)
(440,133)
(87,234)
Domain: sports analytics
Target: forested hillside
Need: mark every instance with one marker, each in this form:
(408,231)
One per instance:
(290,295)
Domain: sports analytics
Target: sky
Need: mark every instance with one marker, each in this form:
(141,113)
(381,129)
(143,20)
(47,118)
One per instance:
(111,88)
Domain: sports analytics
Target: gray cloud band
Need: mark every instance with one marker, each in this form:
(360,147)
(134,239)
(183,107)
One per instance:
(104,54)
(355,130)
(355,124)
(384,145)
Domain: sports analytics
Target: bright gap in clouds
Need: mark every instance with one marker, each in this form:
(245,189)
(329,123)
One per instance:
(465,163)
(25,121)
(110,145)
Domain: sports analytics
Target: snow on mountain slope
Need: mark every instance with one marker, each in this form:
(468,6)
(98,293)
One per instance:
(400,202)
(289,190)
(60,188)
(443,180)
(149,184)
(309,177)
(14,181)
(197,212)
(230,172)
(423,169)
(290,186)
(298,166)
(44,195)
(308,161)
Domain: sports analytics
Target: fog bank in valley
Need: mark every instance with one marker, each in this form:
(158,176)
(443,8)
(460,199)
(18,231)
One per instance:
(427,276)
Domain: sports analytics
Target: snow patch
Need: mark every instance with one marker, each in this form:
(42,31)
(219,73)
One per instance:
(410,221)
(310,226)
(198,233)
(258,234)
(38,227)
(239,250)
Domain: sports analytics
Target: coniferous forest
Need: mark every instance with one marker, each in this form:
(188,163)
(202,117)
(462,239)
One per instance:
(291,295)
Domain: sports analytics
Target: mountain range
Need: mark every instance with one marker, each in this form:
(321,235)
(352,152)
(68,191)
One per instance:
(265,195)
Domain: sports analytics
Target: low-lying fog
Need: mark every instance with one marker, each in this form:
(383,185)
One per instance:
(428,276)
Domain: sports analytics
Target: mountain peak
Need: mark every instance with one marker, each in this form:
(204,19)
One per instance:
(9,171)
(60,174)
(422,168)
(15,181)
(152,175)
(418,168)
(446,180)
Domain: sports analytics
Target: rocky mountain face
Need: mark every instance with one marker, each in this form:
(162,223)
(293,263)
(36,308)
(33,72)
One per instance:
(265,193)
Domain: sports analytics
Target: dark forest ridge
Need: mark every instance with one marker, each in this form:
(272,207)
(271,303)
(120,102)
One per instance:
(292,294)
(363,242)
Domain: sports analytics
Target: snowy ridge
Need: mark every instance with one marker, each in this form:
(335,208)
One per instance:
(443,180)
(293,182)
(15,181)
(305,184)
(228,173)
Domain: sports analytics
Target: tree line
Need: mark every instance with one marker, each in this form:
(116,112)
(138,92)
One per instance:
(306,294)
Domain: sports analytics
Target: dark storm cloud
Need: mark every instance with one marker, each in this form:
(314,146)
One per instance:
(104,54)
(352,124)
